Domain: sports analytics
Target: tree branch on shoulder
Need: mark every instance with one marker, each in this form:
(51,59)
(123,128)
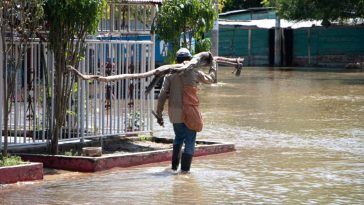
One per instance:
(198,60)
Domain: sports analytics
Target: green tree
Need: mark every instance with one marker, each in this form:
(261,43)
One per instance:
(203,45)
(221,5)
(229,5)
(69,23)
(184,19)
(19,22)
(325,10)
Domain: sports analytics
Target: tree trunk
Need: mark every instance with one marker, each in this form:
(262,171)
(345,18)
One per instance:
(190,41)
(9,87)
(5,113)
(62,91)
(54,142)
(184,44)
(6,121)
(58,100)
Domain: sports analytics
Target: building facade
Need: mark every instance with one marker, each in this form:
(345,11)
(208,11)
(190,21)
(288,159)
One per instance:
(251,34)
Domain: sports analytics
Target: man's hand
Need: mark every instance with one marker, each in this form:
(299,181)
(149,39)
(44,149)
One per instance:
(160,121)
(159,118)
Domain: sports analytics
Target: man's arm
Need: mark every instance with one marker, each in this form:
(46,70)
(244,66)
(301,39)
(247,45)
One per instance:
(208,78)
(163,95)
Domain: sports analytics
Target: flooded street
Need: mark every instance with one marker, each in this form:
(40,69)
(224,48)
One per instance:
(299,137)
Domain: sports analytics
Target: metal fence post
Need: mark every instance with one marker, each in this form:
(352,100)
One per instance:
(1,85)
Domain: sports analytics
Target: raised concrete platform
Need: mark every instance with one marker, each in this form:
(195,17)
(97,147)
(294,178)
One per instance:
(23,172)
(94,164)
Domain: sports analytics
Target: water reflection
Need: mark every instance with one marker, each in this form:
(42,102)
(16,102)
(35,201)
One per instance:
(299,138)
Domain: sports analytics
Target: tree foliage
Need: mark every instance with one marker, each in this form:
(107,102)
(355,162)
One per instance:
(229,5)
(325,10)
(203,45)
(70,21)
(186,19)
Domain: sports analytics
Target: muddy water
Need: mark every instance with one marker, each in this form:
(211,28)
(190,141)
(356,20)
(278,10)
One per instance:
(299,137)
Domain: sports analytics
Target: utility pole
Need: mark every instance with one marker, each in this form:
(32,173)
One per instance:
(215,34)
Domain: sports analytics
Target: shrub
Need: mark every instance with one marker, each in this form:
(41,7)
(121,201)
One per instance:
(10,161)
(71,152)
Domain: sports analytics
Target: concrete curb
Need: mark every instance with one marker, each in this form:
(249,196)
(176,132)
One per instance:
(23,172)
(94,164)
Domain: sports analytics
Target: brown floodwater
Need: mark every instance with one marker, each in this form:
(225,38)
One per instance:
(299,136)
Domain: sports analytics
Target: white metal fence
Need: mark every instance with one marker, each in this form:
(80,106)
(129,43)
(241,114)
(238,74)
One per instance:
(127,18)
(95,108)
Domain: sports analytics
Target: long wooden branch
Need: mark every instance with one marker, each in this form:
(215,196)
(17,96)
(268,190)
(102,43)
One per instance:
(200,59)
(159,71)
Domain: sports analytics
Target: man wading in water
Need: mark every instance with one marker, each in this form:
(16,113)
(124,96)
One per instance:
(183,111)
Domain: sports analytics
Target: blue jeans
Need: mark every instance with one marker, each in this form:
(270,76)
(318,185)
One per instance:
(184,135)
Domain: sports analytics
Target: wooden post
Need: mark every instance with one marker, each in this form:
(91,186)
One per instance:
(309,45)
(277,43)
(250,47)
(215,35)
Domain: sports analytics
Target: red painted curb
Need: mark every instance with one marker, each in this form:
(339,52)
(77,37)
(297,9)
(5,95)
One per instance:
(214,149)
(93,164)
(82,164)
(24,172)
